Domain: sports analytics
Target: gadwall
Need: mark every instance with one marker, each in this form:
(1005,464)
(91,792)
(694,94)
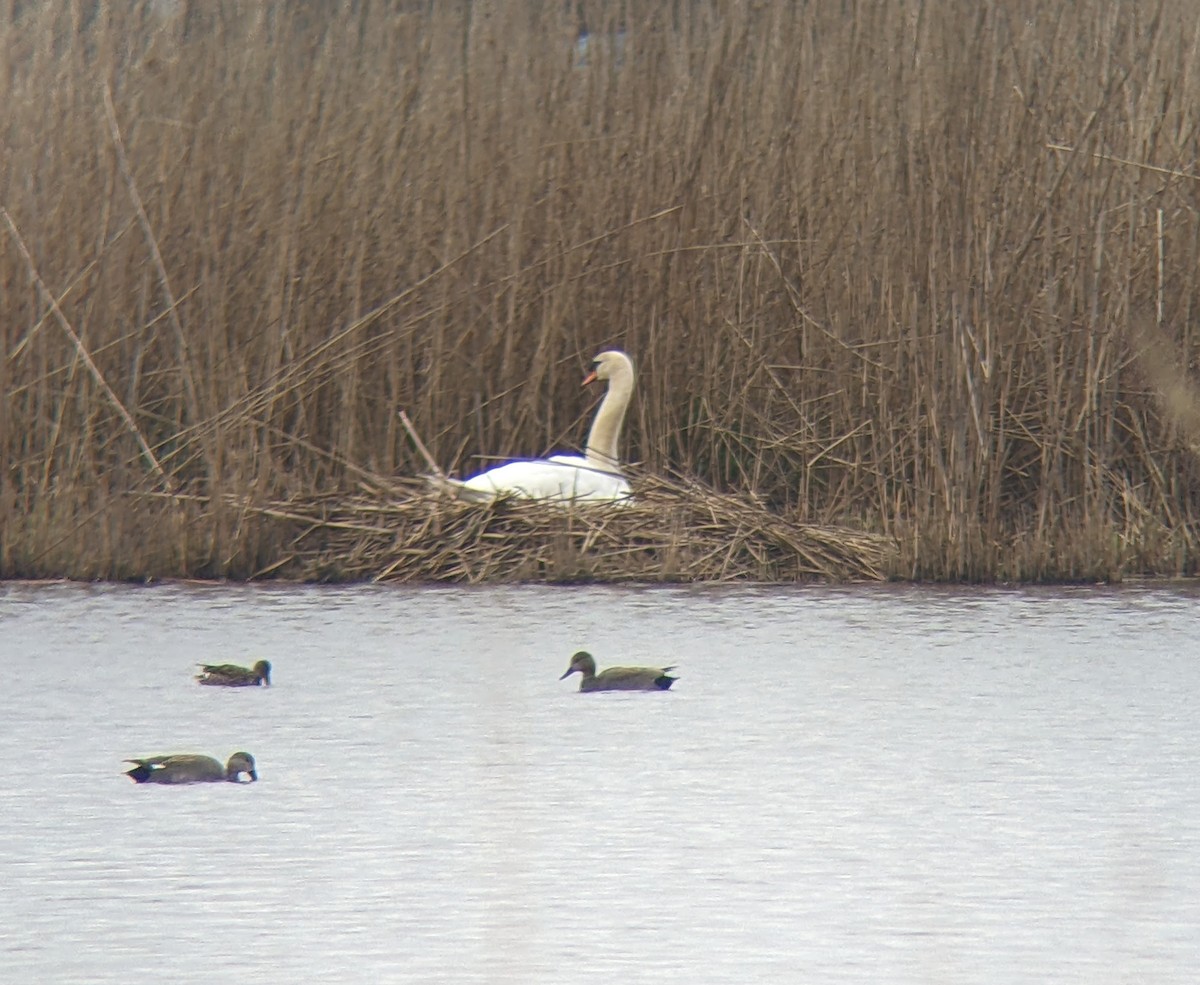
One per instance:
(189,768)
(231,675)
(618,678)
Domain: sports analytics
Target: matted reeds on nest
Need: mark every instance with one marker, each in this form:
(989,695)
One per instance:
(669,532)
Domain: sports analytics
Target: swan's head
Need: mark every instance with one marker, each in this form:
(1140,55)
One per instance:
(610,365)
(582,663)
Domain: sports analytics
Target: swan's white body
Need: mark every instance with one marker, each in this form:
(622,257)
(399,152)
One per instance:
(594,477)
(562,477)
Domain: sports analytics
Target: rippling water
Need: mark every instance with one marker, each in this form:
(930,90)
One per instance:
(846,785)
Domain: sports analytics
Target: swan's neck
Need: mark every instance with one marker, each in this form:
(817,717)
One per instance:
(606,428)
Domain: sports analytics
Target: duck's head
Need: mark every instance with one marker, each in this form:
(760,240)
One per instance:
(583,663)
(262,671)
(608,365)
(239,763)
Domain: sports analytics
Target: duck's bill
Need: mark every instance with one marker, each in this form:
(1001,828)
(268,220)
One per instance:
(567,674)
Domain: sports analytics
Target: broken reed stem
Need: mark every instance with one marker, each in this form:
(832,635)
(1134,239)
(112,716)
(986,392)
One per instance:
(416,439)
(74,282)
(1141,165)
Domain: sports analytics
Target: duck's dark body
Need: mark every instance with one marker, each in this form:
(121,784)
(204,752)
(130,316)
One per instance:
(191,768)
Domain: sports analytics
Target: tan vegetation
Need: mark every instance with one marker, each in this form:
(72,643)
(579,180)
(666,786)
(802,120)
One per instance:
(671,532)
(923,270)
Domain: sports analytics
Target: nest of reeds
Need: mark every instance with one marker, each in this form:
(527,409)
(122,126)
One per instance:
(670,532)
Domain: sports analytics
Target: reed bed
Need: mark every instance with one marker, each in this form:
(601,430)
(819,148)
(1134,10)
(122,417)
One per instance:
(671,532)
(924,270)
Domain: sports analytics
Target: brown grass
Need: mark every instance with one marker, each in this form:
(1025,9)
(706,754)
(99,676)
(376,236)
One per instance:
(926,272)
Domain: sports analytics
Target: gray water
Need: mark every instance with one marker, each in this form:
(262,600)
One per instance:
(846,785)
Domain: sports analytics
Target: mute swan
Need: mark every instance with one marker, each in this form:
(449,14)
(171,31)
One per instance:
(231,675)
(189,768)
(593,477)
(618,678)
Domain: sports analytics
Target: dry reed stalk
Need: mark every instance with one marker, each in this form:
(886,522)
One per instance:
(172,306)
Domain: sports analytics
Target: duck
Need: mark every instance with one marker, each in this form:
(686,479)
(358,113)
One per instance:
(231,675)
(190,768)
(592,477)
(618,678)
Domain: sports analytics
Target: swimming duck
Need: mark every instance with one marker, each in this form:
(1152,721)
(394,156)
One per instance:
(231,675)
(618,678)
(188,768)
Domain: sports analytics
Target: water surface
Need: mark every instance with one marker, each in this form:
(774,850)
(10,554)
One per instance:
(846,785)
